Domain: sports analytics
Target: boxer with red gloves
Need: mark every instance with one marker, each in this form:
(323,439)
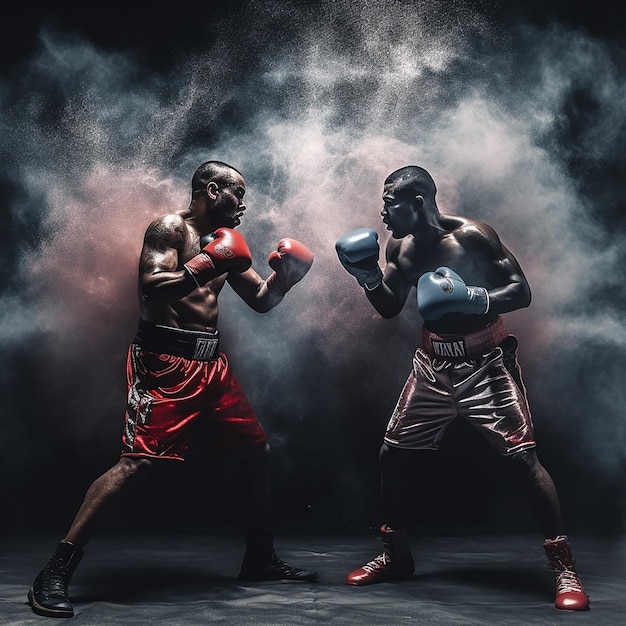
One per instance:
(179,382)
(466,367)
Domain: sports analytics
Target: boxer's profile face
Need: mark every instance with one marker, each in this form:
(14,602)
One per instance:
(228,206)
(400,211)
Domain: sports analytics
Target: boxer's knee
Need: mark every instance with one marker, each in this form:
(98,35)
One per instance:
(383,453)
(525,457)
(133,468)
(261,451)
(526,462)
(255,458)
(395,460)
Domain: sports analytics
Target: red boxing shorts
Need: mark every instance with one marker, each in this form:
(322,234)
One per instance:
(474,376)
(172,398)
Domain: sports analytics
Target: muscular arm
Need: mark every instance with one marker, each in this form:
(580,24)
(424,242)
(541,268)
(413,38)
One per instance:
(515,293)
(504,279)
(291,260)
(390,296)
(252,289)
(160,280)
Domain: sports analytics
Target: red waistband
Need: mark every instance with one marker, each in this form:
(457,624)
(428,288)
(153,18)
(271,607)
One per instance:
(468,345)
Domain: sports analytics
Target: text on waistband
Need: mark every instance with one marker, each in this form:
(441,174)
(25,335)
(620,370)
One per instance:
(205,349)
(449,348)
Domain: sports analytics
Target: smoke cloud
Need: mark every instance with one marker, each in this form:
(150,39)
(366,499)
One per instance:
(316,106)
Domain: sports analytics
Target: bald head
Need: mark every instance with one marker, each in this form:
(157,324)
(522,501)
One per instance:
(211,171)
(412,181)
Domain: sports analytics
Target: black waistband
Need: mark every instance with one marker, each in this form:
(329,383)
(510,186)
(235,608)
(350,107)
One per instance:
(190,344)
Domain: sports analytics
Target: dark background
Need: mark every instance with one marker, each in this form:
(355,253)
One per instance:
(515,108)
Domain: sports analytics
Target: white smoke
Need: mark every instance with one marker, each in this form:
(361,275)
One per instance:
(316,107)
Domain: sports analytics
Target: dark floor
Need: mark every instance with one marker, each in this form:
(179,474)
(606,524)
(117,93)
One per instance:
(192,579)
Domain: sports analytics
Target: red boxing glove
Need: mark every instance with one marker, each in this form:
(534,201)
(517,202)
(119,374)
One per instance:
(290,261)
(226,251)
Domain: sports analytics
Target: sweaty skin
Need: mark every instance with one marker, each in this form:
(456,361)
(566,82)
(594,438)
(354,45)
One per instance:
(424,239)
(168,295)
(177,390)
(439,390)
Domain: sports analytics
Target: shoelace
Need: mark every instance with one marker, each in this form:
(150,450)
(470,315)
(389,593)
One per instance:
(53,580)
(284,567)
(375,564)
(568,581)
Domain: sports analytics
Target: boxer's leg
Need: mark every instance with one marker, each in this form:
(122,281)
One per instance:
(49,595)
(395,479)
(104,495)
(544,501)
(254,480)
(395,562)
(260,561)
(540,491)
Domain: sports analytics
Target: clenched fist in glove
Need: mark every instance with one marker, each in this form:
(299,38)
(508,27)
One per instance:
(444,291)
(358,252)
(290,261)
(223,250)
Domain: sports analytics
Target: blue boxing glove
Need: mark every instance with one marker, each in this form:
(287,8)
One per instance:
(358,252)
(444,291)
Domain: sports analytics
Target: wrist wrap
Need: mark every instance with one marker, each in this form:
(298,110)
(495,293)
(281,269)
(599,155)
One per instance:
(198,265)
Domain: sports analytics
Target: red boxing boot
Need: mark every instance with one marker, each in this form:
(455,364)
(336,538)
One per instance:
(394,563)
(570,595)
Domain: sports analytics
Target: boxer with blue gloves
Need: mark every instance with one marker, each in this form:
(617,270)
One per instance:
(466,366)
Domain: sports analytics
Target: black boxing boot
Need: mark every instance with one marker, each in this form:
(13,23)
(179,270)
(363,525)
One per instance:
(48,596)
(260,562)
(395,562)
